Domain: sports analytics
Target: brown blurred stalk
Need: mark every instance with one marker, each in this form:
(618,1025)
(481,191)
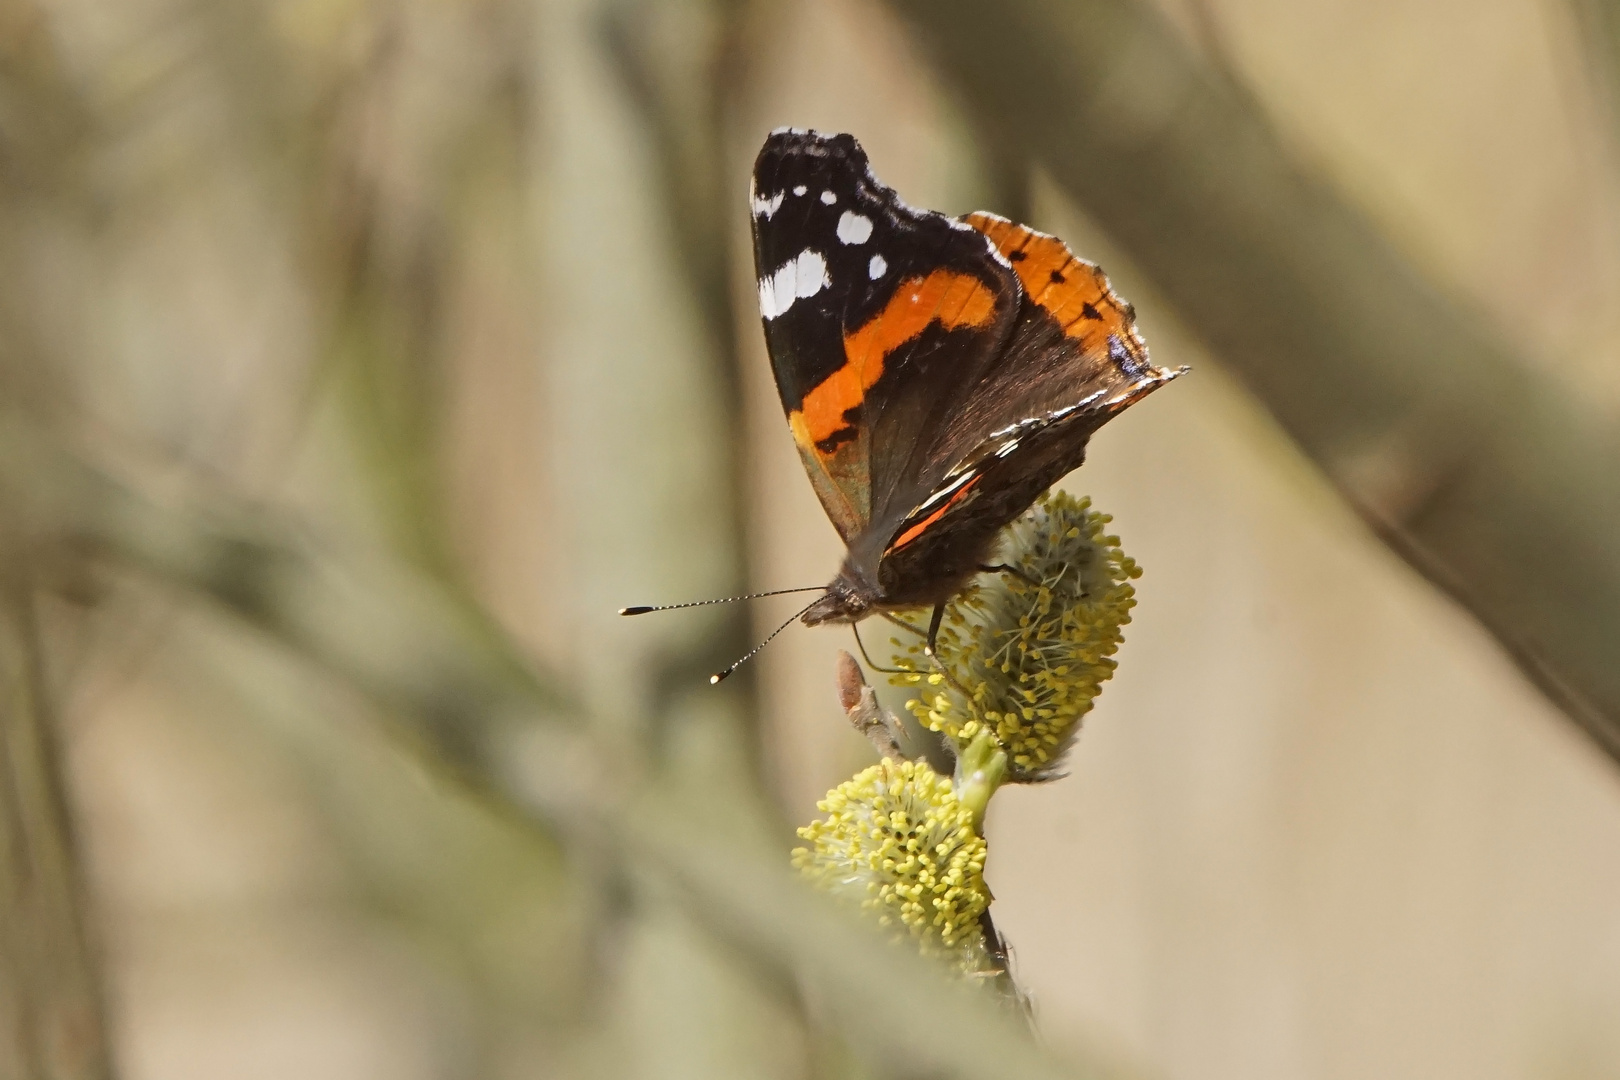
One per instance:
(1487,476)
(1597,22)
(51,1022)
(681,66)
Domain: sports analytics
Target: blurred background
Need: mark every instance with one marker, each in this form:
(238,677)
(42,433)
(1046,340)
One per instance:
(362,357)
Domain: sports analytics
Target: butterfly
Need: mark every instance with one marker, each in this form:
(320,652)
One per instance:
(938,373)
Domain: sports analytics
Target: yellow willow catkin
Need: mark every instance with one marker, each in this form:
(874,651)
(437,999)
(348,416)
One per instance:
(1028,657)
(896,840)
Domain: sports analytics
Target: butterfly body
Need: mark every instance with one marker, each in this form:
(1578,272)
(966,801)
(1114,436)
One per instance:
(937,373)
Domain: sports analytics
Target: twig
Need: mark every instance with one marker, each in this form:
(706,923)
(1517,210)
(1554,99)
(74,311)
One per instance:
(52,1022)
(865,714)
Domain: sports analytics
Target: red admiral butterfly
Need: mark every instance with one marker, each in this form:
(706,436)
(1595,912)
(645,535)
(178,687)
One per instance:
(937,373)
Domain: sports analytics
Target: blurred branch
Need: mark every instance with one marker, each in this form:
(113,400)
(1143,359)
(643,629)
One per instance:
(1597,24)
(387,629)
(682,92)
(492,899)
(381,627)
(46,129)
(384,244)
(1488,476)
(683,112)
(51,1016)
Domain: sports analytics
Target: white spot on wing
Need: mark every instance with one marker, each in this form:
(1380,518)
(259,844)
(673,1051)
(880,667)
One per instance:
(766,207)
(800,189)
(812,275)
(797,279)
(854,228)
(1021,428)
(877,267)
(828,197)
(961,478)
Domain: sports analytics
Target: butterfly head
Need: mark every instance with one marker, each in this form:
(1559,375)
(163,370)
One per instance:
(846,600)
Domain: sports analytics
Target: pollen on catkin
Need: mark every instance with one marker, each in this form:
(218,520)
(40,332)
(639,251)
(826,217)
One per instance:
(1027,656)
(896,840)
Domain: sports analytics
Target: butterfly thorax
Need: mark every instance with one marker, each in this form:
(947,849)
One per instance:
(894,584)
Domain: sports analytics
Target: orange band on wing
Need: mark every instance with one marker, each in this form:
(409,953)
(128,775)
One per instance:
(951,299)
(1073,291)
(918,529)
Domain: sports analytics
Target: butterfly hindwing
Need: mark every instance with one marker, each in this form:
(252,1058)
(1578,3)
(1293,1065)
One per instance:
(1073,360)
(875,314)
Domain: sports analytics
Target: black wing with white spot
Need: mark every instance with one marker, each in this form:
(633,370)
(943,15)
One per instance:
(877,316)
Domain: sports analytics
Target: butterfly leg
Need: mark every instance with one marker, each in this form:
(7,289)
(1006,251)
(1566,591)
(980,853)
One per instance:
(933,631)
(901,623)
(874,665)
(1003,568)
(931,650)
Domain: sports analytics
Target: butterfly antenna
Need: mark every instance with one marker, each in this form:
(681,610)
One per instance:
(644,608)
(714,680)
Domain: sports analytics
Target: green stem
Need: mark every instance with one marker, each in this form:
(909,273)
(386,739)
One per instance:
(980,768)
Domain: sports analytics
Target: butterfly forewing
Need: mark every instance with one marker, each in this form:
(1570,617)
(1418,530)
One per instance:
(873,313)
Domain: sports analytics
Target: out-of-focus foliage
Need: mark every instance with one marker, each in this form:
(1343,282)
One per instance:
(358,357)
